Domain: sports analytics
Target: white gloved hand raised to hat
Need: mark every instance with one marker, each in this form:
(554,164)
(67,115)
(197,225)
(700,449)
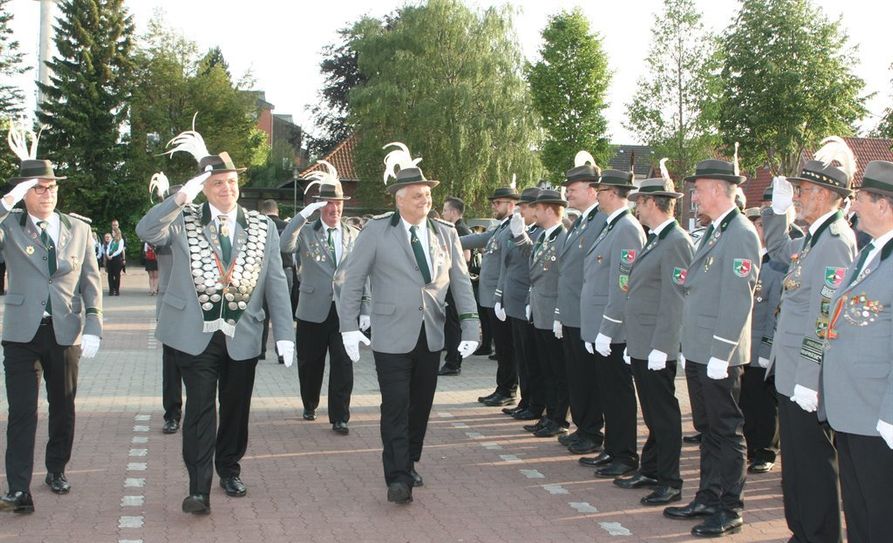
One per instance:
(310,209)
(192,187)
(782,195)
(516,224)
(18,192)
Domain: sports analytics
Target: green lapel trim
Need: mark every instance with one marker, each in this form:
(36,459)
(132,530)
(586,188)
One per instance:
(725,222)
(824,227)
(395,219)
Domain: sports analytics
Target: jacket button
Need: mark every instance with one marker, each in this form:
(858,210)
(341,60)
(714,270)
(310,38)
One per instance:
(416,268)
(43,302)
(44,258)
(420,308)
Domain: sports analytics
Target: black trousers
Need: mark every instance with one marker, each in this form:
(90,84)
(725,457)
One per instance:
(583,390)
(660,411)
(206,375)
(114,267)
(618,395)
(530,378)
(760,410)
(866,476)
(2,277)
(407,383)
(314,340)
(550,360)
(506,372)
(452,334)
(808,475)
(715,405)
(171,385)
(486,333)
(60,373)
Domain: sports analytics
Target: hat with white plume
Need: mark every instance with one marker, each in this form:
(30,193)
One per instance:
(821,171)
(508,193)
(658,186)
(585,169)
(329,183)
(719,169)
(400,165)
(30,167)
(192,142)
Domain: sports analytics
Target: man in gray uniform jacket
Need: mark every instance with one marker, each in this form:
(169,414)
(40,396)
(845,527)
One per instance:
(410,262)
(54,296)
(225,262)
(857,373)
(325,248)
(494,243)
(817,265)
(719,287)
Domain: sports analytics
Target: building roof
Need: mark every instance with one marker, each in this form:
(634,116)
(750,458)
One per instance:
(342,158)
(642,154)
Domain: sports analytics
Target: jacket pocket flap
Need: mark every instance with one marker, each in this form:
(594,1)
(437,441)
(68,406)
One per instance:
(383,308)
(14,299)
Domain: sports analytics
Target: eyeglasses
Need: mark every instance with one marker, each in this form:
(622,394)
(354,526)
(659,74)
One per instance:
(42,189)
(603,189)
(798,190)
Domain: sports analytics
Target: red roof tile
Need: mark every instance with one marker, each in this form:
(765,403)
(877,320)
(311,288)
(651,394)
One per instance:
(342,158)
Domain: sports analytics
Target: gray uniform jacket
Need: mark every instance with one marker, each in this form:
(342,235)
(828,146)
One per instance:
(766,300)
(815,271)
(572,248)
(402,301)
(494,243)
(75,289)
(321,279)
(544,271)
(718,289)
(165,259)
(653,317)
(180,322)
(606,278)
(857,373)
(513,288)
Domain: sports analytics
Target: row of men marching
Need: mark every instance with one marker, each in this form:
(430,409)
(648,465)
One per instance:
(587,317)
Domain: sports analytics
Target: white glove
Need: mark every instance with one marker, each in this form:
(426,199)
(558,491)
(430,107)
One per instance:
(806,398)
(192,187)
(467,348)
(782,195)
(589,348)
(352,342)
(18,192)
(516,224)
(500,312)
(603,344)
(310,209)
(886,431)
(717,369)
(626,357)
(89,346)
(527,311)
(762,362)
(365,322)
(657,360)
(556,329)
(286,350)
(682,360)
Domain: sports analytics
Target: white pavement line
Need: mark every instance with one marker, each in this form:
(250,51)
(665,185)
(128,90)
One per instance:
(509,457)
(134,482)
(140,428)
(142,417)
(555,489)
(138,452)
(614,528)
(130,541)
(474,435)
(136,466)
(460,425)
(491,446)
(139,439)
(130,522)
(444,415)
(132,501)
(583,507)
(532,474)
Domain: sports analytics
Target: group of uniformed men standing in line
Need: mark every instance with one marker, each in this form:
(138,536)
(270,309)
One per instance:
(584,317)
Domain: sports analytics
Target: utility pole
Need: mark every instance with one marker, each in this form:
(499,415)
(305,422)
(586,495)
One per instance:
(43,54)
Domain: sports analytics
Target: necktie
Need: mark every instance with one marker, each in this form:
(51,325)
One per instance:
(51,257)
(226,246)
(419,254)
(650,238)
(806,240)
(861,262)
(707,234)
(539,245)
(332,247)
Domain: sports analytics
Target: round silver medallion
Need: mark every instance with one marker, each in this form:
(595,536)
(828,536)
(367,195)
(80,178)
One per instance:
(215,298)
(196,264)
(242,305)
(232,306)
(203,298)
(207,306)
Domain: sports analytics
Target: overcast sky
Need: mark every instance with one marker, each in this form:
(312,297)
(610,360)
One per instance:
(280,41)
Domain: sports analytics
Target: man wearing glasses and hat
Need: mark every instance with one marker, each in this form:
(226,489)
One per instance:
(817,265)
(54,297)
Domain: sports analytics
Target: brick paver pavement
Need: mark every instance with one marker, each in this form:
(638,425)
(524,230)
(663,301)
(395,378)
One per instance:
(486,479)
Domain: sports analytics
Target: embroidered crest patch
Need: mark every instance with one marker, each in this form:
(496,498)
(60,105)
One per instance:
(624,283)
(834,276)
(742,267)
(679,275)
(627,256)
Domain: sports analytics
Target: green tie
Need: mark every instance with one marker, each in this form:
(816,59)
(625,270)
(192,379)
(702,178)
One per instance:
(861,262)
(806,240)
(650,238)
(539,244)
(419,254)
(226,246)
(51,257)
(707,234)
(332,247)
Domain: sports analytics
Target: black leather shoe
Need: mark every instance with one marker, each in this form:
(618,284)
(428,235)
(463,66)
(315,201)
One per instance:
(483,351)
(233,486)
(525,414)
(17,502)
(492,356)
(340,427)
(761,466)
(416,478)
(536,427)
(600,460)
(584,445)
(310,414)
(57,483)
(512,410)
(693,510)
(613,470)
(399,493)
(637,480)
(197,504)
(569,439)
(662,495)
(720,524)
(170,426)
(692,440)
(499,400)
(449,370)
(550,429)
(483,399)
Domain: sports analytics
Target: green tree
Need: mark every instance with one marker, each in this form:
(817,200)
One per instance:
(86,105)
(446,81)
(569,85)
(884,129)
(672,110)
(787,82)
(11,96)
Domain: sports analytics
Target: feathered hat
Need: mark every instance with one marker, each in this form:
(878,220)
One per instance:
(400,165)
(719,169)
(328,181)
(585,169)
(30,166)
(658,186)
(192,142)
(508,193)
(160,185)
(820,171)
